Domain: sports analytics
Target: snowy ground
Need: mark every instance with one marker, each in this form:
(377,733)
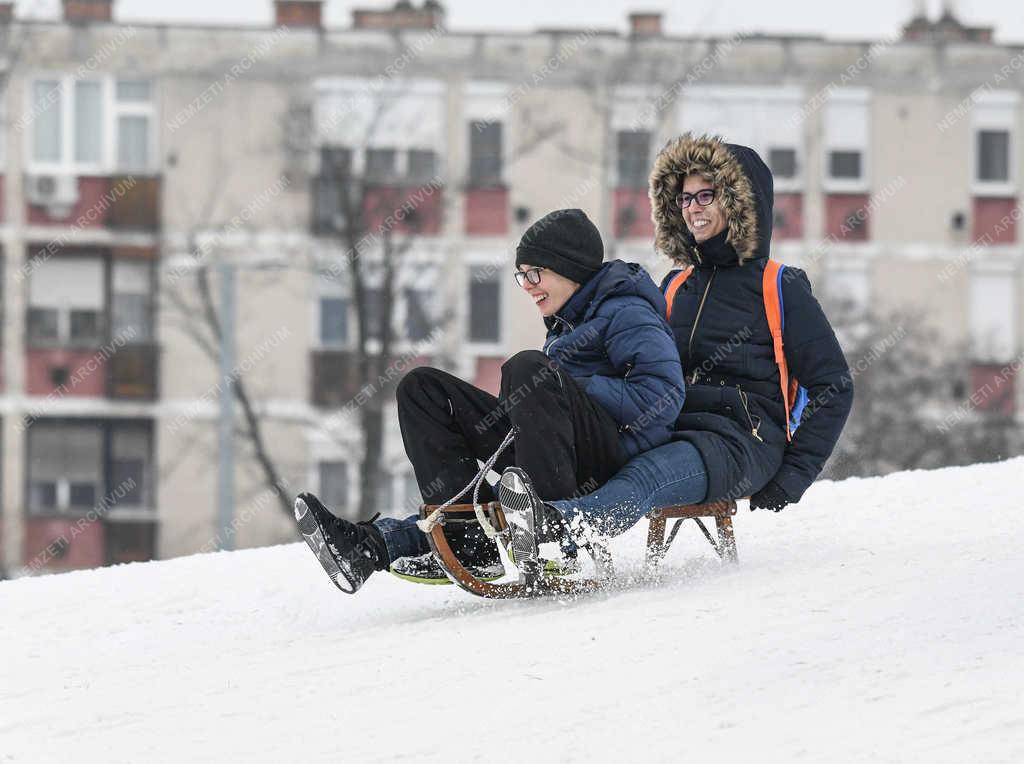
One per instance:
(879,620)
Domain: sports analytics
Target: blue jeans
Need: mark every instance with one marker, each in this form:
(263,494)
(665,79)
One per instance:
(402,537)
(662,477)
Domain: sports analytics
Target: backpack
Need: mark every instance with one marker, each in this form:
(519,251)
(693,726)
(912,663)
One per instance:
(794,395)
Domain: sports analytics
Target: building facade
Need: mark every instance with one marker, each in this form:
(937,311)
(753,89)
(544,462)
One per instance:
(143,163)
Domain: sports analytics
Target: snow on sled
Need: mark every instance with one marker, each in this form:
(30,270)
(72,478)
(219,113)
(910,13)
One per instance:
(461,576)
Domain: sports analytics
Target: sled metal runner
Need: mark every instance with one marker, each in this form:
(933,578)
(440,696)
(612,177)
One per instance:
(456,571)
(721,511)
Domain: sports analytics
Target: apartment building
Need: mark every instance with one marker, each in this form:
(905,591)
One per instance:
(135,154)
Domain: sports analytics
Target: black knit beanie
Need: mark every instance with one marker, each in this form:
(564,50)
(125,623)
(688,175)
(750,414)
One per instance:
(564,241)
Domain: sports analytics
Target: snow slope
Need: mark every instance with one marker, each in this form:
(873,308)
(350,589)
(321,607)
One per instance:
(878,620)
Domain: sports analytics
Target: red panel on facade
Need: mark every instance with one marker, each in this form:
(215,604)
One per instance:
(404,211)
(995,220)
(90,211)
(789,216)
(632,210)
(847,217)
(488,374)
(486,211)
(994,389)
(65,372)
(59,543)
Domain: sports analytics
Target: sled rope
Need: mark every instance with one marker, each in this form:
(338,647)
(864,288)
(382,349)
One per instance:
(428,523)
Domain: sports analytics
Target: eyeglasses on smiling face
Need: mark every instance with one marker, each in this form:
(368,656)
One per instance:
(704,197)
(533,274)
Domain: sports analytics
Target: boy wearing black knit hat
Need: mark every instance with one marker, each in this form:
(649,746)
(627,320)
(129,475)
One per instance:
(607,386)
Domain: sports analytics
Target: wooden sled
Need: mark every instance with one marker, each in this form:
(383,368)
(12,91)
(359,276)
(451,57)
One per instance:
(547,585)
(721,511)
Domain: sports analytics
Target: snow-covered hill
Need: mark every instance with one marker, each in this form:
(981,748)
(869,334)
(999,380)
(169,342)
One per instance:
(878,620)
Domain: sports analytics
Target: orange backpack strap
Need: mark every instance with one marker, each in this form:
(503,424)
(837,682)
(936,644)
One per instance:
(770,288)
(673,287)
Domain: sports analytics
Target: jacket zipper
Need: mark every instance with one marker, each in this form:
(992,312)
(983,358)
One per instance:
(746,410)
(700,309)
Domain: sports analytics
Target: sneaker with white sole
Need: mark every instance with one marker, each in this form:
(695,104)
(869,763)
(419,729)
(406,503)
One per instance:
(348,552)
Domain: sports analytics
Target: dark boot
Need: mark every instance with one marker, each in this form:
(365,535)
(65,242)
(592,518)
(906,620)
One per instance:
(348,552)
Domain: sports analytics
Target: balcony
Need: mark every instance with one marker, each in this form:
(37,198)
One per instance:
(118,202)
(486,211)
(632,211)
(410,210)
(132,373)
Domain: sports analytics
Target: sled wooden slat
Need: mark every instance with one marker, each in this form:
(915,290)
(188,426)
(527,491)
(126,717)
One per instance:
(466,580)
(720,511)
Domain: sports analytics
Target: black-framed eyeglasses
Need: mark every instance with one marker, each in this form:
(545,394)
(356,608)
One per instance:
(704,197)
(533,274)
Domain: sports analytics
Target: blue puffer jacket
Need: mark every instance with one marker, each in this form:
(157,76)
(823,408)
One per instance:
(734,412)
(612,338)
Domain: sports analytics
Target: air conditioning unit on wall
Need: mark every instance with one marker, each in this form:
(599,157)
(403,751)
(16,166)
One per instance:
(57,193)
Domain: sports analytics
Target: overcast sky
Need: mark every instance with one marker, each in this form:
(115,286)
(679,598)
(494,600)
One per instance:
(866,19)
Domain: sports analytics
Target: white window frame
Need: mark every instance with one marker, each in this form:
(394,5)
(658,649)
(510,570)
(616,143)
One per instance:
(858,97)
(994,110)
(111,110)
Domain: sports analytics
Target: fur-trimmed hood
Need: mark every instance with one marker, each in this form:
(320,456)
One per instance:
(745,193)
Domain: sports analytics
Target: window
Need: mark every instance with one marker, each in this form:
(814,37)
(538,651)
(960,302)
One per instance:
(633,158)
(66,302)
(43,326)
(993,155)
(844,164)
(485,166)
(846,125)
(418,321)
(133,111)
(92,125)
(381,165)
(333,321)
(85,327)
(47,134)
(484,306)
(334,486)
(422,165)
(131,303)
(129,466)
(373,305)
(992,312)
(64,466)
(88,122)
(330,189)
(782,162)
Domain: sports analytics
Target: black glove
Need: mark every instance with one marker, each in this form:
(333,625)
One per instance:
(770,497)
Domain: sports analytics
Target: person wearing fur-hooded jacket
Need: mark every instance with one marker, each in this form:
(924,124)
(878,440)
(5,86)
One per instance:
(712,209)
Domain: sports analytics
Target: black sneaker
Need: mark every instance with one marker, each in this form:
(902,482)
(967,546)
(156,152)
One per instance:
(425,569)
(349,552)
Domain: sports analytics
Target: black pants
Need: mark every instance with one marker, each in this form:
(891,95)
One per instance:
(567,443)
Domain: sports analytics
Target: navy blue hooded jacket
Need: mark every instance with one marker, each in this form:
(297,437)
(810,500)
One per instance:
(611,337)
(734,413)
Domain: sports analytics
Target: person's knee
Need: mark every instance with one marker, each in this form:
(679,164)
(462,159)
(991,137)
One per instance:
(413,384)
(526,365)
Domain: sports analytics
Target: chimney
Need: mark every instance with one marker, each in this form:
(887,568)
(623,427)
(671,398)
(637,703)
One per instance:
(645,24)
(299,13)
(404,15)
(86,11)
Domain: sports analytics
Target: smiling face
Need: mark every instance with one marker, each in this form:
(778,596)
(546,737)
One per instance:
(551,293)
(703,222)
